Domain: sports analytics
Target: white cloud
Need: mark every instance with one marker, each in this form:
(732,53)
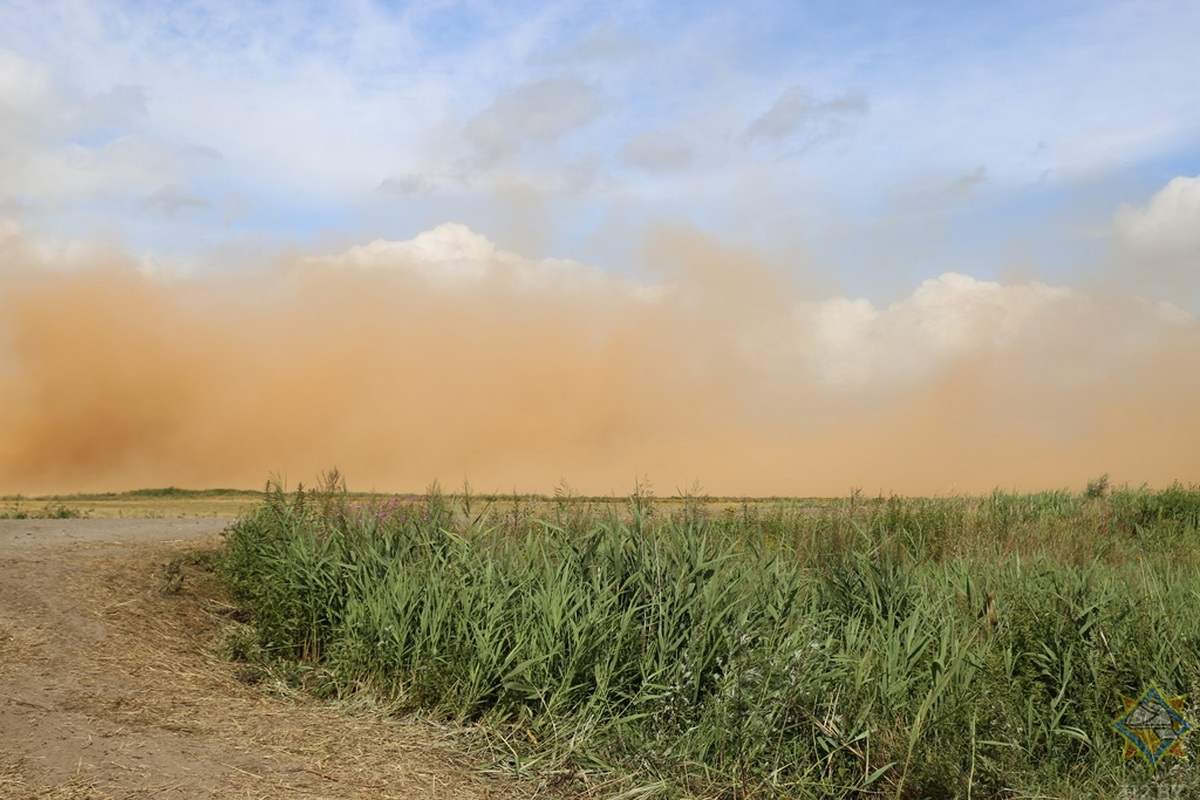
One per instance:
(1157,252)
(853,343)
(67,172)
(25,90)
(1172,314)
(58,145)
(34,107)
(453,256)
(843,343)
(1168,224)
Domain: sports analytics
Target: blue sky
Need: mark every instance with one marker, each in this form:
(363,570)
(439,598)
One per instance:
(879,142)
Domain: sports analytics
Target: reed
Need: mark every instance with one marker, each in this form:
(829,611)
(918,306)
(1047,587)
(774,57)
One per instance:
(892,647)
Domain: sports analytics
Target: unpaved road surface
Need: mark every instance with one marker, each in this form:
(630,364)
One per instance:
(111,685)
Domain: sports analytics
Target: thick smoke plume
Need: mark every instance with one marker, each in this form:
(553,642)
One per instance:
(445,358)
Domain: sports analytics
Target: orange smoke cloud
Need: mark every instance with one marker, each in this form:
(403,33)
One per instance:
(444,358)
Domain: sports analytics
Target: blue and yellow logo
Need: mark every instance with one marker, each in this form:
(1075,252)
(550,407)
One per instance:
(1153,726)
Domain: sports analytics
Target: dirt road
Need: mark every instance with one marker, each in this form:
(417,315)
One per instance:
(110,686)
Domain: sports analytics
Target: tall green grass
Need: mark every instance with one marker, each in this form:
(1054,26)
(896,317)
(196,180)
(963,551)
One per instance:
(890,647)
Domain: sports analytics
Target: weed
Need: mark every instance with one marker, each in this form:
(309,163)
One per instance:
(1097,488)
(51,510)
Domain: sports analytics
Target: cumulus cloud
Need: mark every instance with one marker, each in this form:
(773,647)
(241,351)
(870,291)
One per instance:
(659,151)
(799,121)
(538,113)
(1158,245)
(855,344)
(1169,223)
(452,256)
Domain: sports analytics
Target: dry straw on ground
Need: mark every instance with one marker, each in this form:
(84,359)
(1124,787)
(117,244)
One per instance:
(113,688)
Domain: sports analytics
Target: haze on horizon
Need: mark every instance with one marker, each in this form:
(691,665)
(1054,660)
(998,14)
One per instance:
(781,249)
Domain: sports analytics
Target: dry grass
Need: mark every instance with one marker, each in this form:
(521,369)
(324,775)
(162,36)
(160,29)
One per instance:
(172,504)
(176,636)
(165,508)
(149,708)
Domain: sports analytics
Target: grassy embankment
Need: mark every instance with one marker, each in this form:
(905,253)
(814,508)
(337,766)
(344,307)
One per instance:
(893,647)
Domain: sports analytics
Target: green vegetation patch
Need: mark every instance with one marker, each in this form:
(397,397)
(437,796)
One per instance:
(891,647)
(18,508)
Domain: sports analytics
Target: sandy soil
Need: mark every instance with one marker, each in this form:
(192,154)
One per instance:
(110,686)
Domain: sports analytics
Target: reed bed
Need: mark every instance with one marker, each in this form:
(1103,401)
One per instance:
(973,647)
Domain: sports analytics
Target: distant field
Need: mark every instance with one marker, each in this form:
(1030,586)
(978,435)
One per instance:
(138,504)
(172,502)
